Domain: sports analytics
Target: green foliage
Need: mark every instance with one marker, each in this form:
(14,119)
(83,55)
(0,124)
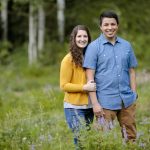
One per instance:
(31,103)
(18,22)
(5,46)
(32,116)
(53,53)
(134,20)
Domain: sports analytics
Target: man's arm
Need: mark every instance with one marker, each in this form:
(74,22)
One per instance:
(98,111)
(132,79)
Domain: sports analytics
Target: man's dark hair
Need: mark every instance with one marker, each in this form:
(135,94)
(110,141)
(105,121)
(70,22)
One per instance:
(108,14)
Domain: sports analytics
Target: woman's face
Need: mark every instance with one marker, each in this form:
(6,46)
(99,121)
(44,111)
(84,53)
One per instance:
(81,38)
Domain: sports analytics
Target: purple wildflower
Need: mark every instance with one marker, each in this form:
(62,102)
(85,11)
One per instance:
(124,131)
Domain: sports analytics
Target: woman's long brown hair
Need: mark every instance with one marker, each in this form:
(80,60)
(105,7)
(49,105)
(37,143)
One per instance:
(76,52)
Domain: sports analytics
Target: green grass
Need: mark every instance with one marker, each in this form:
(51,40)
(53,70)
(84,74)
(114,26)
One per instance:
(32,116)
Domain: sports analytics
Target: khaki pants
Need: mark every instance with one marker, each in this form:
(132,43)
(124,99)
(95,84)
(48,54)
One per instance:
(126,118)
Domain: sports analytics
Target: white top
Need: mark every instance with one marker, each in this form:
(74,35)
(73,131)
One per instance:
(69,105)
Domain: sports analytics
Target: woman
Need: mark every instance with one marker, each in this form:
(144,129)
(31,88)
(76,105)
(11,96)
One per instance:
(77,106)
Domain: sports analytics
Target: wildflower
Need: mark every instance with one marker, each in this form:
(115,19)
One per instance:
(32,147)
(111,126)
(49,137)
(124,131)
(101,120)
(142,145)
(139,134)
(24,139)
(42,137)
(105,124)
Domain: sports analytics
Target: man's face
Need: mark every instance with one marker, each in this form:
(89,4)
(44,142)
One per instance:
(109,27)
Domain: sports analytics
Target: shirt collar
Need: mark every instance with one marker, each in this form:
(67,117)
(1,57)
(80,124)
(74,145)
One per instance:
(104,40)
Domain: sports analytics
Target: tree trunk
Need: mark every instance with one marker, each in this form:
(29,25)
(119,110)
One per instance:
(61,19)
(41,27)
(4,18)
(32,47)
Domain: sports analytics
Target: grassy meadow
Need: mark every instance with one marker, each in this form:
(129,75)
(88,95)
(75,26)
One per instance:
(32,118)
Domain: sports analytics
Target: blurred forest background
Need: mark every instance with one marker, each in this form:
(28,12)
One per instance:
(41,28)
(34,37)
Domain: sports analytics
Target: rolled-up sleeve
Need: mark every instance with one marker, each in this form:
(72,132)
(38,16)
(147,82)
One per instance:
(132,59)
(90,59)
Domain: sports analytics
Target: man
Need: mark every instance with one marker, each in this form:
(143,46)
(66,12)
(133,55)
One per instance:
(110,62)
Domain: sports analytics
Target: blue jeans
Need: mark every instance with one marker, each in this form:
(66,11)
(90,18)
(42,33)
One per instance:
(78,119)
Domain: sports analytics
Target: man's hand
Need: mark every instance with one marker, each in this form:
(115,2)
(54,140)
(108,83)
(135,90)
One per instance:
(98,110)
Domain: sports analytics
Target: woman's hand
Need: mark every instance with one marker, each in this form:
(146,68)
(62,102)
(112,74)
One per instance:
(90,87)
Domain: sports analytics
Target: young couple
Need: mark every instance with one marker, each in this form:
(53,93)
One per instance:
(98,78)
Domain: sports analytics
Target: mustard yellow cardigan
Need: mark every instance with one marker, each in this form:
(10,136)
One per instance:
(72,79)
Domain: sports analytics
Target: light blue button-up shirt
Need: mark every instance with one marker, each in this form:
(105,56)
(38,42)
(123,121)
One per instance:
(111,64)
